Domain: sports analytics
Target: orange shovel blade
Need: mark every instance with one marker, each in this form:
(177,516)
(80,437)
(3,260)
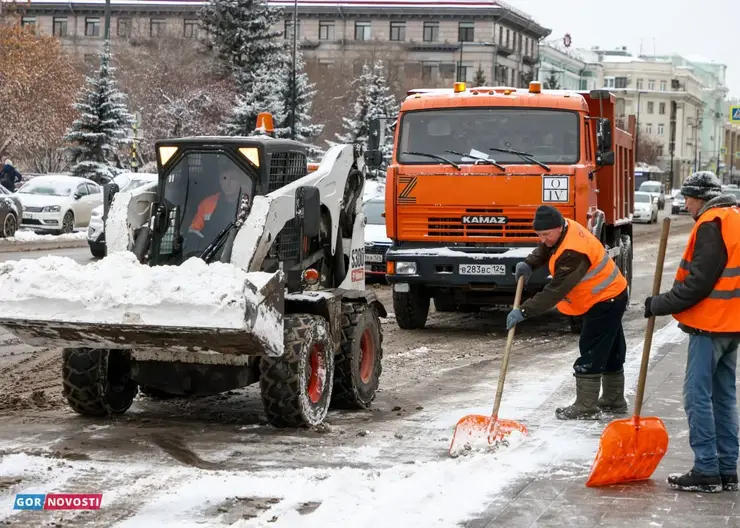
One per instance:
(630,449)
(475,429)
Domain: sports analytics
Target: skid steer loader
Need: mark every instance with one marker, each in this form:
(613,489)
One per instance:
(301,322)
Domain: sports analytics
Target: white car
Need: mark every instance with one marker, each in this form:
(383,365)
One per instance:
(127,181)
(656,190)
(58,203)
(376,240)
(646,208)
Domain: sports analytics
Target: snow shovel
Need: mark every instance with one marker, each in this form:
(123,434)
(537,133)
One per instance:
(631,448)
(473,428)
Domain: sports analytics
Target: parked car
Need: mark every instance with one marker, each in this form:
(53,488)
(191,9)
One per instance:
(679,205)
(646,208)
(376,241)
(58,203)
(11,210)
(127,181)
(656,190)
(735,191)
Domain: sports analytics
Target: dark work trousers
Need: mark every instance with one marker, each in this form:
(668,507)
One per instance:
(602,344)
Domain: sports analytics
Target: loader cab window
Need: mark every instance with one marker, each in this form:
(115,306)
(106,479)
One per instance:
(208,187)
(551,136)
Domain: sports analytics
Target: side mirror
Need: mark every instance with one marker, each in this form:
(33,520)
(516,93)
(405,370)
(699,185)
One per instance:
(605,135)
(373,158)
(373,141)
(77,196)
(605,158)
(308,210)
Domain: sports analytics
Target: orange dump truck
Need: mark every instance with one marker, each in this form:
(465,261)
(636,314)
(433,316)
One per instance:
(469,168)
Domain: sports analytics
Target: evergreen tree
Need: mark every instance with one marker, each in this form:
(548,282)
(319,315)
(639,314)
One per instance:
(551,83)
(373,99)
(264,96)
(480,77)
(102,126)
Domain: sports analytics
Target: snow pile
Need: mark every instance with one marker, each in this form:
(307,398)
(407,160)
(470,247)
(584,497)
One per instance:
(118,289)
(117,229)
(27,237)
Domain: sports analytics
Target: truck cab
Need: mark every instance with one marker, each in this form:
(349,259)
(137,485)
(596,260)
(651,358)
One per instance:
(468,171)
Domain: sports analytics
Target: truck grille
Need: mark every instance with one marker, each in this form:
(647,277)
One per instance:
(285,168)
(445,223)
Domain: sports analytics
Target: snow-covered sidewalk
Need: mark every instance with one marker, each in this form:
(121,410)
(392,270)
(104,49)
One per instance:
(30,239)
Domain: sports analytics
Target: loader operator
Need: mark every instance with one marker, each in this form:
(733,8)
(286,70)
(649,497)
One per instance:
(217,210)
(705,300)
(585,282)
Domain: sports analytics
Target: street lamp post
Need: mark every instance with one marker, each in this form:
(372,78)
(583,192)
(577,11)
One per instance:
(293,89)
(106,31)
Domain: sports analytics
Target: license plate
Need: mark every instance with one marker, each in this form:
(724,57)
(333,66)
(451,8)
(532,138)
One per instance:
(28,216)
(482,269)
(373,257)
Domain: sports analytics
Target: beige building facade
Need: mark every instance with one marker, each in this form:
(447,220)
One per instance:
(435,41)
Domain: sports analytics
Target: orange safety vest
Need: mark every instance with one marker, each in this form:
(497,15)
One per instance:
(603,280)
(720,311)
(204,212)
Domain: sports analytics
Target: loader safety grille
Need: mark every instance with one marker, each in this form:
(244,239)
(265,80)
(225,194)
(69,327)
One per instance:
(285,168)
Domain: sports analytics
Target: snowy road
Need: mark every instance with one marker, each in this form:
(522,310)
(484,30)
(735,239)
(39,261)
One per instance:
(213,461)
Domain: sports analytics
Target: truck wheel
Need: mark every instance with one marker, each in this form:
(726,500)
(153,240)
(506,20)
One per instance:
(411,308)
(442,305)
(626,255)
(296,388)
(576,323)
(358,366)
(97,382)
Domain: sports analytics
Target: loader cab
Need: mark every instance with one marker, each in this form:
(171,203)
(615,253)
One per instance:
(206,189)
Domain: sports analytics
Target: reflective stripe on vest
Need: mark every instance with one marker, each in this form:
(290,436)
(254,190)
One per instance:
(601,282)
(718,312)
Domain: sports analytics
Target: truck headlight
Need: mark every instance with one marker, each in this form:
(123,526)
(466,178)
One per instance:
(406,268)
(52,209)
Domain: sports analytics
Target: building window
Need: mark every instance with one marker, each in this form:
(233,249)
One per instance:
(29,22)
(288,32)
(508,38)
(650,107)
(447,70)
(663,86)
(362,30)
(326,30)
(156,27)
(428,71)
(60,26)
(651,84)
(465,31)
(649,128)
(190,28)
(92,27)
(661,129)
(608,82)
(661,108)
(639,84)
(431,32)
(620,82)
(398,31)
(124,27)
(462,72)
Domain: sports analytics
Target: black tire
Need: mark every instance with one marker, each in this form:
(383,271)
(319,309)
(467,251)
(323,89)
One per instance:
(441,305)
(358,366)
(576,323)
(9,226)
(97,249)
(68,223)
(674,211)
(411,308)
(156,394)
(627,255)
(97,382)
(289,399)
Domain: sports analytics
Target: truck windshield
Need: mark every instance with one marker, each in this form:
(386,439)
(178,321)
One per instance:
(550,136)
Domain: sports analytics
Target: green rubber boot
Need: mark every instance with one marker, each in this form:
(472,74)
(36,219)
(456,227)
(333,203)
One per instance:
(612,394)
(587,393)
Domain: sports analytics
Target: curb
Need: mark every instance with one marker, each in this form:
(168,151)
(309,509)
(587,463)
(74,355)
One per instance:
(18,247)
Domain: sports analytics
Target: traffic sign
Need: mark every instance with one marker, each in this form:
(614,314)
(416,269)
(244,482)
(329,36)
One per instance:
(735,114)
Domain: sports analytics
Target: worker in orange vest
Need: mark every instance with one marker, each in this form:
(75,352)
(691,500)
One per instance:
(217,210)
(705,300)
(585,282)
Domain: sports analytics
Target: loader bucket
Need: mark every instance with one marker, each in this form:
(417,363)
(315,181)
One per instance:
(164,309)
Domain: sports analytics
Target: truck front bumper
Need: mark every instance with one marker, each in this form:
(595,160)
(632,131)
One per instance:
(489,268)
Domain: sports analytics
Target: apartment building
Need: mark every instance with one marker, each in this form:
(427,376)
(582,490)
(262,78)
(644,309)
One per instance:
(436,41)
(570,68)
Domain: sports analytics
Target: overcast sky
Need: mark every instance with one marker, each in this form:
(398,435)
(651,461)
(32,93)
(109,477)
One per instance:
(669,26)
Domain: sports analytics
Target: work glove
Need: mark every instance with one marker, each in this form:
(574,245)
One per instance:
(522,268)
(648,308)
(515,316)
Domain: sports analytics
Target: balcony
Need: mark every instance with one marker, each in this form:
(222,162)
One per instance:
(417,45)
(530,60)
(504,50)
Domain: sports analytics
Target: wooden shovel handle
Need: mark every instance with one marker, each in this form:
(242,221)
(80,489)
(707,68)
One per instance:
(651,320)
(507,350)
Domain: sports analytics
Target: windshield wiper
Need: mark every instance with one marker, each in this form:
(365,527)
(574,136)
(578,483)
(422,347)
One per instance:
(435,156)
(487,160)
(524,155)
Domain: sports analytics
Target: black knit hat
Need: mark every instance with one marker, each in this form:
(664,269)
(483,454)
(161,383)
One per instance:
(702,185)
(547,217)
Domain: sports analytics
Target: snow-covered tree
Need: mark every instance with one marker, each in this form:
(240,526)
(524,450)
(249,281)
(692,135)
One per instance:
(480,77)
(264,97)
(551,83)
(373,99)
(102,126)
